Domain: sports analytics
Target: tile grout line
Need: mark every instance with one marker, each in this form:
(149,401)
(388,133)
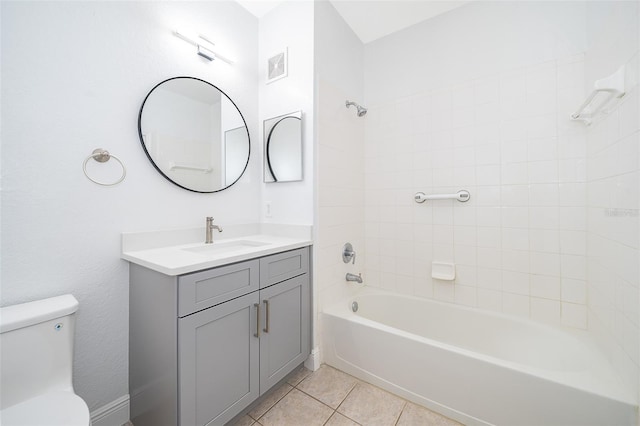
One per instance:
(345,398)
(335,410)
(404,405)
(274,404)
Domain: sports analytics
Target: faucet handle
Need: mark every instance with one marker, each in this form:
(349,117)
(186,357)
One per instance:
(348,254)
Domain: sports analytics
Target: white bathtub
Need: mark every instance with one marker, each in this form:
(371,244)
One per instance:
(475,366)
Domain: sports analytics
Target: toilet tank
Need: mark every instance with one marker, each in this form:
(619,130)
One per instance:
(36,348)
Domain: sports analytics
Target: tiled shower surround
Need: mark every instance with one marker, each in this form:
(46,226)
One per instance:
(613,195)
(552,228)
(519,244)
(480,99)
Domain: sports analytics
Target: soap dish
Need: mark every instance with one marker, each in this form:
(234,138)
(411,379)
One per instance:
(443,271)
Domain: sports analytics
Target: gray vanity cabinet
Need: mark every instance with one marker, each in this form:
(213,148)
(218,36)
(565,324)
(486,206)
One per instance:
(218,361)
(205,345)
(284,342)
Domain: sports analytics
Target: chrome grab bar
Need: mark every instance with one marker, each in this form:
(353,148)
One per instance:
(463,196)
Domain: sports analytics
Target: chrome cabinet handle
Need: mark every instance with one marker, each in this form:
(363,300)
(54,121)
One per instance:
(257,333)
(266,305)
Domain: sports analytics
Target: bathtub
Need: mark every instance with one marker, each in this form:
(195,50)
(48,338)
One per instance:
(474,366)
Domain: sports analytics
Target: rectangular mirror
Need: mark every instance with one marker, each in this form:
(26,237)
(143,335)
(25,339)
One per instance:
(283,148)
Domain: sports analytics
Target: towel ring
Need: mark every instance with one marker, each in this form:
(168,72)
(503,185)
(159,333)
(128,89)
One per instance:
(102,156)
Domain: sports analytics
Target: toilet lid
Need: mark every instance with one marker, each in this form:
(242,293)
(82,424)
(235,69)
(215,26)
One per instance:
(57,408)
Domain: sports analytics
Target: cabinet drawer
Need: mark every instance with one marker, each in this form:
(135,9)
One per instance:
(204,289)
(282,266)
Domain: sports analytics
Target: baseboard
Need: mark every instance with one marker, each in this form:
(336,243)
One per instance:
(313,361)
(115,413)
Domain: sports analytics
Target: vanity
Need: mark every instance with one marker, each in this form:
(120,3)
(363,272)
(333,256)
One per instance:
(214,326)
(214,323)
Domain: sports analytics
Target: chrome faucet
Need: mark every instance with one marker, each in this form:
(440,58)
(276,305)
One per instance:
(354,277)
(211,227)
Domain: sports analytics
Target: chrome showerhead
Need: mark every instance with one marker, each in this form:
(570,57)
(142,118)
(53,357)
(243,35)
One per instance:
(361,110)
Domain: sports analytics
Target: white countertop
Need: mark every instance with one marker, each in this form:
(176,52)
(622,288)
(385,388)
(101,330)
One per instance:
(169,252)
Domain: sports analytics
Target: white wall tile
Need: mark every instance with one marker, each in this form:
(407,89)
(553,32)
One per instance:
(515,304)
(545,264)
(543,194)
(541,78)
(573,266)
(546,287)
(573,242)
(488,216)
(543,171)
(488,175)
(489,299)
(486,90)
(544,217)
(514,195)
(465,255)
(443,290)
(516,260)
(544,240)
(515,238)
(488,278)
(466,295)
(574,315)
(487,196)
(573,194)
(572,170)
(545,310)
(489,236)
(513,151)
(574,291)
(515,217)
(515,282)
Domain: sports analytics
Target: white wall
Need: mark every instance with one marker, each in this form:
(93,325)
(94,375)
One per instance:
(290,25)
(479,99)
(74,75)
(339,147)
(613,190)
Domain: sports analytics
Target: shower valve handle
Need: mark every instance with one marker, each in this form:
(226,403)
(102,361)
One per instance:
(348,254)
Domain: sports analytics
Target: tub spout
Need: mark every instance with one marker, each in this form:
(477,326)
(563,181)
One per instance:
(354,277)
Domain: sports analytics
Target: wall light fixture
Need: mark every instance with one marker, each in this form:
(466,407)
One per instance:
(203,44)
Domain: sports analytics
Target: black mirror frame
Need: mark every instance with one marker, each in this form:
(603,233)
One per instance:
(149,155)
(273,175)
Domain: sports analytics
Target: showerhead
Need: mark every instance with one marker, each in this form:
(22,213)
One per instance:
(361,110)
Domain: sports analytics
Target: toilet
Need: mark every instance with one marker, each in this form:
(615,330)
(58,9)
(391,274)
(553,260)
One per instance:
(36,360)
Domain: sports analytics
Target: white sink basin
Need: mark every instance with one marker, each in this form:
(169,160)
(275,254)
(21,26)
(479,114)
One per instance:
(222,247)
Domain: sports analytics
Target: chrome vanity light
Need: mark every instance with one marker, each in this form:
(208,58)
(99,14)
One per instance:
(204,45)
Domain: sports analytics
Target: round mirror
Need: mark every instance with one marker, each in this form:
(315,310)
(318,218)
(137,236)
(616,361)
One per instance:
(194,134)
(284,149)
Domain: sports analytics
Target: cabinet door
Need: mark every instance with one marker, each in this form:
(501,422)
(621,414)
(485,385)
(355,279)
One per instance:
(218,362)
(285,339)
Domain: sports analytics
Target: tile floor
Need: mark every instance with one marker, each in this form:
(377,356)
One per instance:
(333,398)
